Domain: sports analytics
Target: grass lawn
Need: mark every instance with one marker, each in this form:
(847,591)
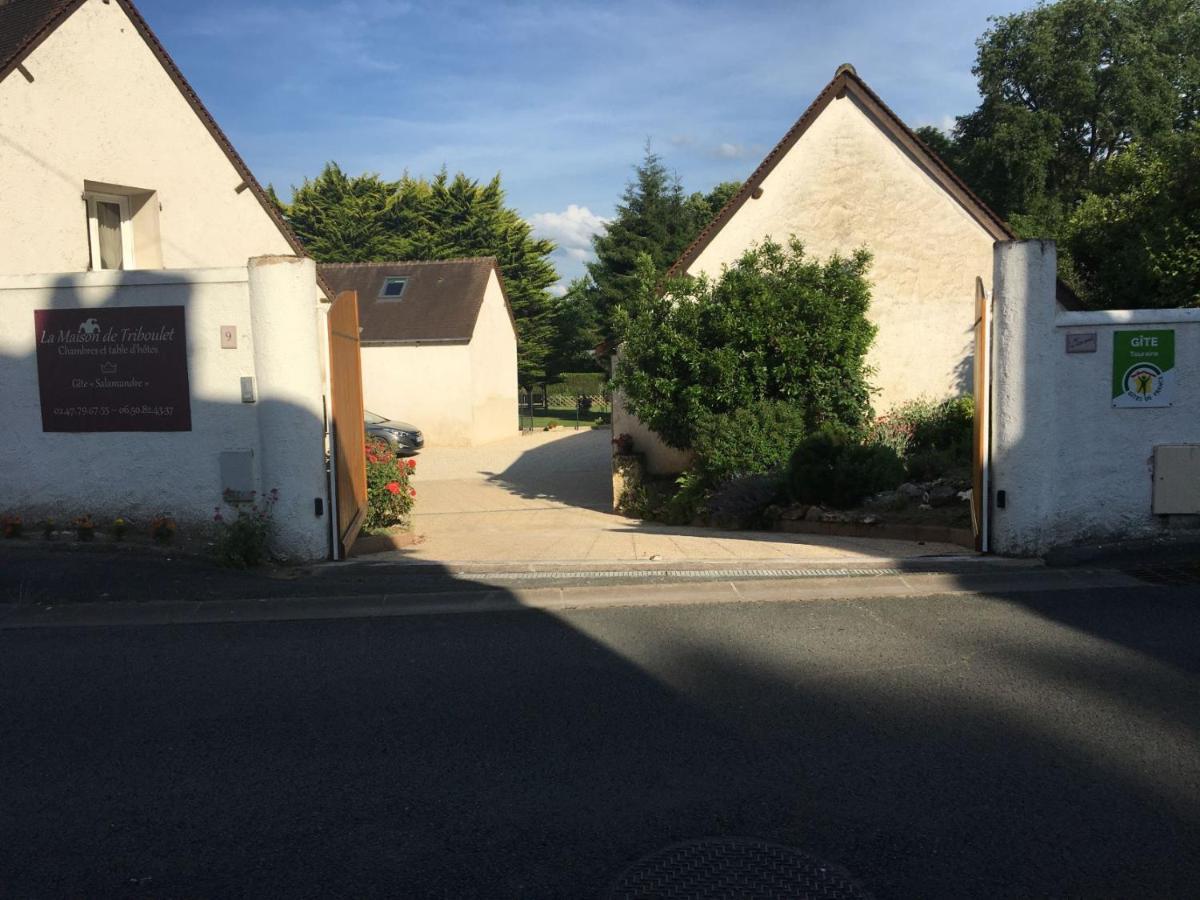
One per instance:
(564,417)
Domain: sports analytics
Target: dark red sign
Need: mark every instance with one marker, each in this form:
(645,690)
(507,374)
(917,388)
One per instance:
(118,368)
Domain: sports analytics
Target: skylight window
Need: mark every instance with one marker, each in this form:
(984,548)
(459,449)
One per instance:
(393,287)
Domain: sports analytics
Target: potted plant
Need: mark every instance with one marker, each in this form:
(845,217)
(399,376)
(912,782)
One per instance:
(10,523)
(85,528)
(623,444)
(119,527)
(48,529)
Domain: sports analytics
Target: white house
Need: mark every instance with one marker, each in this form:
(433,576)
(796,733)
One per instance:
(439,346)
(162,337)
(848,174)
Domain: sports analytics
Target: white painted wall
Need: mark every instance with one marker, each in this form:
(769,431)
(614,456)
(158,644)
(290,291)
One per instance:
(101,108)
(427,385)
(659,458)
(142,474)
(1072,467)
(847,184)
(458,394)
(493,352)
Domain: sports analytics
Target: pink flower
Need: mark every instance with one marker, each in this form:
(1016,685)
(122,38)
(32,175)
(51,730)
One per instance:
(412,492)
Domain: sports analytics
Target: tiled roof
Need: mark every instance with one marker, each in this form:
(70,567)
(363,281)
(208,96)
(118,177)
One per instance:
(440,303)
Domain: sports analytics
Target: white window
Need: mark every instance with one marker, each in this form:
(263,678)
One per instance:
(110,231)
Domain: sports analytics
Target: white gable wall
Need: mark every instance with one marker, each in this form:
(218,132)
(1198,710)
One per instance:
(101,108)
(459,394)
(846,184)
(494,368)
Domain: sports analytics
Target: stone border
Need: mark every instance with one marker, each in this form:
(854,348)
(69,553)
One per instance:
(899,531)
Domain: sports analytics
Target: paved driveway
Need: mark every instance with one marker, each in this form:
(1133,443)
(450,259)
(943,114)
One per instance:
(546,497)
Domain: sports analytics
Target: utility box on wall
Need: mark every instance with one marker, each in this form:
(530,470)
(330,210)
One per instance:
(1177,479)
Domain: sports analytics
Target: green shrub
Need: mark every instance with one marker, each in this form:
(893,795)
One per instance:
(863,470)
(390,495)
(753,440)
(743,502)
(813,464)
(777,325)
(242,541)
(948,426)
(831,467)
(687,501)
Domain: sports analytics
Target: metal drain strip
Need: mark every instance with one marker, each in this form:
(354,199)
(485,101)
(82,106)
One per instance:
(680,573)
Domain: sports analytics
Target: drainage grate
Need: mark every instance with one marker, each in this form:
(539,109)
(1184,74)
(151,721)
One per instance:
(1168,576)
(682,573)
(733,868)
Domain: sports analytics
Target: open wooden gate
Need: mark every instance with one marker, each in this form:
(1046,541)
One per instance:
(347,432)
(980,455)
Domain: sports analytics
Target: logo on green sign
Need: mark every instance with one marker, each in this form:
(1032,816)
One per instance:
(1143,368)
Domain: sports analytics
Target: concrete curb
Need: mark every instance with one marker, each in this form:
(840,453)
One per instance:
(551,599)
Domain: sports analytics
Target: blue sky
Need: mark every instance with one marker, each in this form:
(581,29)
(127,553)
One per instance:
(559,98)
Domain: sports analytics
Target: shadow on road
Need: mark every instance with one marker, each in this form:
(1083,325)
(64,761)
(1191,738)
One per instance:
(940,747)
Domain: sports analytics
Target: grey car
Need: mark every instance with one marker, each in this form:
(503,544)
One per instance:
(403,438)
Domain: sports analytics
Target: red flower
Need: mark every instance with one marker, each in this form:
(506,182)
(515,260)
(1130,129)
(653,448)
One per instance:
(412,464)
(412,492)
(392,487)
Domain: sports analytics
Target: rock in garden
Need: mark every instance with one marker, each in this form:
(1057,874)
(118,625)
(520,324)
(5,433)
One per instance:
(793,513)
(911,491)
(833,517)
(869,520)
(942,495)
(814,514)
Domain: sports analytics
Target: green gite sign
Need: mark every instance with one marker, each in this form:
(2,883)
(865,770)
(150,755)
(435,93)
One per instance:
(1143,368)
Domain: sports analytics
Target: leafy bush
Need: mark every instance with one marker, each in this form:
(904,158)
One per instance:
(243,540)
(390,495)
(934,438)
(686,503)
(833,468)
(863,470)
(775,326)
(949,426)
(814,463)
(742,502)
(754,440)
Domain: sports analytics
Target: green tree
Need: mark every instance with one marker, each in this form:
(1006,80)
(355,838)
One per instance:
(775,326)
(1135,238)
(655,218)
(342,218)
(576,331)
(1066,86)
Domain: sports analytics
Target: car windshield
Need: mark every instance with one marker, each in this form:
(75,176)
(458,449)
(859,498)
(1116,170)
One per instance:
(374,418)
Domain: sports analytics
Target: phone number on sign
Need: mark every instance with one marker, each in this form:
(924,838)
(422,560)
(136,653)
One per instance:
(144,410)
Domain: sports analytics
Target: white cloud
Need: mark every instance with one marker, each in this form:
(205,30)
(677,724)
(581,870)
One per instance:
(730,151)
(558,289)
(571,229)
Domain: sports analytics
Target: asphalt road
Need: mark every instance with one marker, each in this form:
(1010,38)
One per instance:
(1041,745)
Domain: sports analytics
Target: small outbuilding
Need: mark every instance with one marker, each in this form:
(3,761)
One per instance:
(439,346)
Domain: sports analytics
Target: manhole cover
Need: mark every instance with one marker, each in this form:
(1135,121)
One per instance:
(733,868)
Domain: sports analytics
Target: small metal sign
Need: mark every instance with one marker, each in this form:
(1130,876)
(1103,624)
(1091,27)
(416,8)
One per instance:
(1081,342)
(113,369)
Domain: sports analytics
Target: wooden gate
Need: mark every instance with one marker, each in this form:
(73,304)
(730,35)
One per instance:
(347,432)
(980,455)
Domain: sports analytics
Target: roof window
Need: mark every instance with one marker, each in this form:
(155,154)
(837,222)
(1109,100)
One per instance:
(393,287)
